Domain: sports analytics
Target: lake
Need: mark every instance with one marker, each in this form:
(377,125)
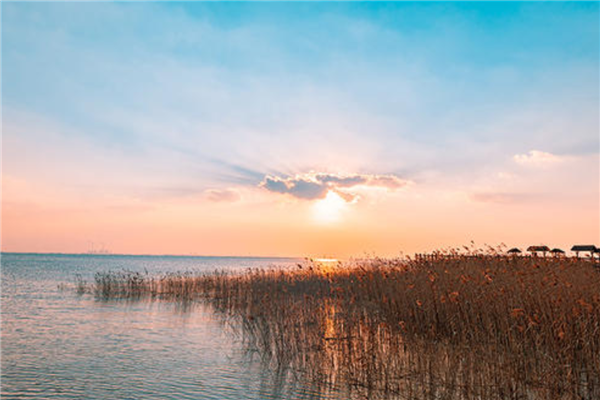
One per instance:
(58,344)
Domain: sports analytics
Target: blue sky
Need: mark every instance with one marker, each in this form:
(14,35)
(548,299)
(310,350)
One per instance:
(431,74)
(174,99)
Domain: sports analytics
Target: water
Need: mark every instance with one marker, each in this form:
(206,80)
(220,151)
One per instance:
(57,344)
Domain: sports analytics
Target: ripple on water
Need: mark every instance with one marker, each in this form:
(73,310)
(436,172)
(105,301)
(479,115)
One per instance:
(56,344)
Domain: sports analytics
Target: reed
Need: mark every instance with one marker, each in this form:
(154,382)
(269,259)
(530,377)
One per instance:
(446,326)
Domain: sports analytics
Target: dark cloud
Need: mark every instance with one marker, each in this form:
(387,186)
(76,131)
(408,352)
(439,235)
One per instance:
(306,189)
(275,185)
(301,188)
(316,185)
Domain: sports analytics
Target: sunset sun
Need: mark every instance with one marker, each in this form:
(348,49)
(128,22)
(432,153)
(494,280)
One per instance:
(330,209)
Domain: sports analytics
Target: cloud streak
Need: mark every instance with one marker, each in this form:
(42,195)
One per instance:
(222,195)
(312,186)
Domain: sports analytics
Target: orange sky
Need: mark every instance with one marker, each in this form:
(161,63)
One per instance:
(42,218)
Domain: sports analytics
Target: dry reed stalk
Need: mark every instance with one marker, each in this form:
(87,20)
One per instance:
(447,326)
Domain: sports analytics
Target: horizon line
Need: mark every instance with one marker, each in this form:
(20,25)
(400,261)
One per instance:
(401,254)
(2,252)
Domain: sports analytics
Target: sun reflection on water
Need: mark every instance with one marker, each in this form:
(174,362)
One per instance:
(326,265)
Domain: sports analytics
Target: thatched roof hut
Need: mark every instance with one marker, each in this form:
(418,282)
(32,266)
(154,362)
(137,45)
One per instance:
(538,249)
(584,247)
(557,252)
(514,251)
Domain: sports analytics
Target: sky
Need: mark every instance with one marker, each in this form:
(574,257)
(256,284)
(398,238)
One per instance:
(299,129)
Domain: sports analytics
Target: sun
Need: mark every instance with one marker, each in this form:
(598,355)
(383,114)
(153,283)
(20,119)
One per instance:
(330,209)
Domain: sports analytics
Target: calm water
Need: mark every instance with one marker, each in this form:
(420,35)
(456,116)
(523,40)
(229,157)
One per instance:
(56,344)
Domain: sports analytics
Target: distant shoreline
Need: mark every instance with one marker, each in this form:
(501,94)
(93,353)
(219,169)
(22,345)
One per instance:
(145,255)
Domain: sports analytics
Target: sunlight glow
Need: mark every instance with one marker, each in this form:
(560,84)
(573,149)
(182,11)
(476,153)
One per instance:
(326,260)
(330,209)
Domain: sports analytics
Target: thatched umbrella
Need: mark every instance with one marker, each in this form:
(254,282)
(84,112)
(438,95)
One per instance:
(584,247)
(538,249)
(557,252)
(514,251)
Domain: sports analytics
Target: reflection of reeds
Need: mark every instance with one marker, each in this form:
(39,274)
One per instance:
(442,327)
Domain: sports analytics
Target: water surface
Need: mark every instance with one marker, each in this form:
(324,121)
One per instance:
(57,344)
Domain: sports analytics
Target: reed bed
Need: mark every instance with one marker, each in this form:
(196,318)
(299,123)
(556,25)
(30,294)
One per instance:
(446,326)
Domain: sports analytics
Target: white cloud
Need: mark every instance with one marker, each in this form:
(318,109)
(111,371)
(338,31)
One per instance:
(537,158)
